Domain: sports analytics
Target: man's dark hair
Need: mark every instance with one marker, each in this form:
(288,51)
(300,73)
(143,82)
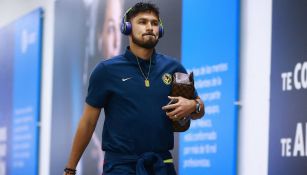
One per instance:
(141,7)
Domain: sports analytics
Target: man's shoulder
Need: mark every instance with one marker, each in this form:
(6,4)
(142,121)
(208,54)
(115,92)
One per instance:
(167,58)
(113,60)
(170,61)
(104,63)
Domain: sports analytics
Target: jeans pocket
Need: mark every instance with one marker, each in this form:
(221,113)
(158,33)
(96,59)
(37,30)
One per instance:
(110,168)
(107,167)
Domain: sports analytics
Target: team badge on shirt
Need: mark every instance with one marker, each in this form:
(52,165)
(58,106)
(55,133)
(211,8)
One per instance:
(167,78)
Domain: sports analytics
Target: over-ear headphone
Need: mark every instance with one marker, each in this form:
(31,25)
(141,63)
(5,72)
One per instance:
(126,27)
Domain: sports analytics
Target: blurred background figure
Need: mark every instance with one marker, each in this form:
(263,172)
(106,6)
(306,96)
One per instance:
(109,38)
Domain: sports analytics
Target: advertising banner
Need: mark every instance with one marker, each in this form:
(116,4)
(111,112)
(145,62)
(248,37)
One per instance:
(210,46)
(288,92)
(20,79)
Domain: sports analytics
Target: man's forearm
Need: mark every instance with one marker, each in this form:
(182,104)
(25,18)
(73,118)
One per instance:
(81,140)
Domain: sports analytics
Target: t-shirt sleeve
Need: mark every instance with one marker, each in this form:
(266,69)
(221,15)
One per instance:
(97,89)
(180,68)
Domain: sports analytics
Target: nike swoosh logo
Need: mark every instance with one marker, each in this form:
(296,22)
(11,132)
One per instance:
(125,79)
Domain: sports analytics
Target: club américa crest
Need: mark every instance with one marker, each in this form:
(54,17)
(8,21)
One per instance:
(167,78)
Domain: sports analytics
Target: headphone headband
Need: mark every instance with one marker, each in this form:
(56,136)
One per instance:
(125,14)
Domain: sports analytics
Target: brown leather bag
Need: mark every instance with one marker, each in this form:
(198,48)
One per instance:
(182,85)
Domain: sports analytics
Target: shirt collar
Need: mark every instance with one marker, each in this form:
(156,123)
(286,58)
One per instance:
(132,58)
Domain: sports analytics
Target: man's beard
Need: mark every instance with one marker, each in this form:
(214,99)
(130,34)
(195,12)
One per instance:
(149,44)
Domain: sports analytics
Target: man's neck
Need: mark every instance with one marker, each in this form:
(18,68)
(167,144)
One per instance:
(141,52)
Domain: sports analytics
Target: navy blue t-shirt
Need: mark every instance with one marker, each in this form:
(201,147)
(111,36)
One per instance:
(134,120)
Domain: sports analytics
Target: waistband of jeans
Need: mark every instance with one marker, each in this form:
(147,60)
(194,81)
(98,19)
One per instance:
(113,156)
